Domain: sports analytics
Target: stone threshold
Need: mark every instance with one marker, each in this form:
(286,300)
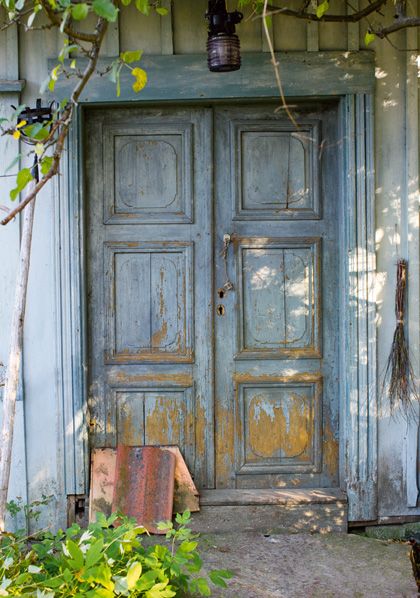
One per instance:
(241,497)
(269,511)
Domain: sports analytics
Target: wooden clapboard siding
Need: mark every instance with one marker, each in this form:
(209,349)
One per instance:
(10,240)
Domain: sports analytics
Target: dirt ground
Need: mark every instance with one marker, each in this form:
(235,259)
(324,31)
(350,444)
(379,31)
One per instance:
(304,565)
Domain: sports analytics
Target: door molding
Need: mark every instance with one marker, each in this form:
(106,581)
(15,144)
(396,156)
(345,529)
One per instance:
(358,379)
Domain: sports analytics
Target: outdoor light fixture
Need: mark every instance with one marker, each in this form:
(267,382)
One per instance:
(223,48)
(40,114)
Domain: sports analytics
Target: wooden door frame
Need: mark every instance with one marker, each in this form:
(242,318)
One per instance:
(347,77)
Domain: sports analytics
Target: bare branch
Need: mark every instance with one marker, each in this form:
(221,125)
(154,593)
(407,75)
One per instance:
(397,25)
(276,65)
(304,14)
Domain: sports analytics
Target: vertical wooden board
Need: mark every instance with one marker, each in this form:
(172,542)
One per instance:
(138,32)
(9,250)
(111,43)
(166,29)
(265,41)
(45,459)
(130,418)
(40,43)
(413,250)
(250,34)
(390,139)
(289,33)
(190,26)
(312,36)
(333,36)
(353,28)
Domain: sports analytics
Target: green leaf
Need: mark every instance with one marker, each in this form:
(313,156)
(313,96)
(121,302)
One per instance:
(188,546)
(79,11)
(103,576)
(369,37)
(46,164)
(77,555)
(201,586)
(94,553)
(126,2)
(105,9)
(143,6)
(24,176)
(322,8)
(195,563)
(161,11)
(100,593)
(53,77)
(133,575)
(218,577)
(183,518)
(131,56)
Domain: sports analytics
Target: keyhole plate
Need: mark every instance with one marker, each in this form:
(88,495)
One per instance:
(220,310)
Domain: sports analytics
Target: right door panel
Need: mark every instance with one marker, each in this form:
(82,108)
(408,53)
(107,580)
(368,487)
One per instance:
(277,197)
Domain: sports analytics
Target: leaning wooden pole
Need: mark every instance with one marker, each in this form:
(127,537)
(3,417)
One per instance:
(15,359)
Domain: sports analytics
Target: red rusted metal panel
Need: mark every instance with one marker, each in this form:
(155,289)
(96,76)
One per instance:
(144,485)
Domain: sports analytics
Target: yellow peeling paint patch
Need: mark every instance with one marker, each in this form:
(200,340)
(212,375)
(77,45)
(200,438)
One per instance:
(279,430)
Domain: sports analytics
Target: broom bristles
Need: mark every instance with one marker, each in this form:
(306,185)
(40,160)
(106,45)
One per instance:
(399,374)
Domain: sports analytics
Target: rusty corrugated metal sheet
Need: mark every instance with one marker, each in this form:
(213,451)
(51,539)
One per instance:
(144,484)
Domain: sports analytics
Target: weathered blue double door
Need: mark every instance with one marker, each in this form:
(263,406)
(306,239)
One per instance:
(213,271)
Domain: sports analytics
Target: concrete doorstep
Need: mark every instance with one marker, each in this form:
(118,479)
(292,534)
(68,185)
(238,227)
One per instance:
(306,565)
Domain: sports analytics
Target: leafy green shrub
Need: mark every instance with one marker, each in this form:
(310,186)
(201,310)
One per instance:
(104,561)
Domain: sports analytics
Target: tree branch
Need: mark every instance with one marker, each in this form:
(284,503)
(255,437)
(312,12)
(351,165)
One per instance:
(399,23)
(66,118)
(54,18)
(304,14)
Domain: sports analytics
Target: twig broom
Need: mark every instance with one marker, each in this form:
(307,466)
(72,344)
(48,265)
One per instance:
(399,377)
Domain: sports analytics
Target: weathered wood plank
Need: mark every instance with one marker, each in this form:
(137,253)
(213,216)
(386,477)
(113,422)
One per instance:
(329,73)
(111,43)
(353,28)
(412,249)
(166,29)
(312,36)
(11,86)
(359,352)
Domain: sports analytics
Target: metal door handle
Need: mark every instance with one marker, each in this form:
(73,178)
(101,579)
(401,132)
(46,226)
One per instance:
(228,284)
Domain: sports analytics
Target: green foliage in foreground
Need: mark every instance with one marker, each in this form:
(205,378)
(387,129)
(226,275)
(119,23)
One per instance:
(104,561)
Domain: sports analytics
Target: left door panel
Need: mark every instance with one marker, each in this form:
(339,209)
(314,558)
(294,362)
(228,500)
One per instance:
(148,186)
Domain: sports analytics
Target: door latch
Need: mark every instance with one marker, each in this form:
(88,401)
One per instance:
(228,284)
